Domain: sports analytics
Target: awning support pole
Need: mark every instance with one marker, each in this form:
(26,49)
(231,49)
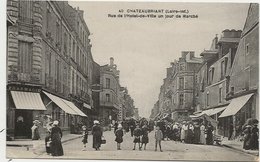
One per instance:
(48,104)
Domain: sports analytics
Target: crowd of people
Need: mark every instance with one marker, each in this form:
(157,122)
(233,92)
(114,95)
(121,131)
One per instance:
(188,132)
(251,135)
(191,132)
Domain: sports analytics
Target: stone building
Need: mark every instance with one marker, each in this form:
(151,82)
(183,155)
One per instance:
(109,96)
(49,66)
(242,90)
(212,77)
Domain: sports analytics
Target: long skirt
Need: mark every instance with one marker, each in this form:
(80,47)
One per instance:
(254,142)
(183,134)
(247,142)
(209,139)
(36,146)
(56,146)
(202,138)
(145,139)
(96,141)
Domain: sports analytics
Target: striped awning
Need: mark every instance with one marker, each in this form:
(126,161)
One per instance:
(77,110)
(235,105)
(27,100)
(59,102)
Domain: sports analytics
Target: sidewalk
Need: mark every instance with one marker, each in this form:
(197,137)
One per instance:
(238,145)
(28,143)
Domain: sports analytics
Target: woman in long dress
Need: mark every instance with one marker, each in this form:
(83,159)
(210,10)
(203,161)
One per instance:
(209,132)
(202,134)
(97,134)
(254,138)
(184,130)
(247,137)
(196,133)
(56,135)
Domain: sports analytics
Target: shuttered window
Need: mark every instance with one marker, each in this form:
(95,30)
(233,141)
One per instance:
(25,56)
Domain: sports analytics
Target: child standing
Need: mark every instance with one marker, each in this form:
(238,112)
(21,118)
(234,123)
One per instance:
(145,138)
(84,137)
(119,136)
(137,133)
(158,138)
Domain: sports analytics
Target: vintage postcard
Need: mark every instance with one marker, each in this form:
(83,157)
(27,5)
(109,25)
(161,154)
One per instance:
(96,80)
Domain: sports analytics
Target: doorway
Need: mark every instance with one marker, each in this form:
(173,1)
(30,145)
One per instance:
(23,124)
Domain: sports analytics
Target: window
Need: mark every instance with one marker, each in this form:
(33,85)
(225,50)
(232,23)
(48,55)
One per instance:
(181,99)
(220,95)
(25,11)
(57,70)
(222,70)
(65,43)
(25,56)
(247,49)
(107,97)
(58,33)
(107,83)
(207,99)
(181,83)
(48,17)
(213,69)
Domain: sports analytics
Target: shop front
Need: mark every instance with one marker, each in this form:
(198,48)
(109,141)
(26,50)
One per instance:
(235,115)
(22,108)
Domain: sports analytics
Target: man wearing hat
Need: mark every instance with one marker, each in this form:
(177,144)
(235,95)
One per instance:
(97,134)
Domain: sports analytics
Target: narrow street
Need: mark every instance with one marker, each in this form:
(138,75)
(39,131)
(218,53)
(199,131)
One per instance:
(171,151)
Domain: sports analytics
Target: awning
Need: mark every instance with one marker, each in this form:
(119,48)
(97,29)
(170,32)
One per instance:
(209,112)
(77,110)
(27,100)
(235,105)
(86,105)
(59,102)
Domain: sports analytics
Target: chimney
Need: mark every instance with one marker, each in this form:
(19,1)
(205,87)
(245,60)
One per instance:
(111,61)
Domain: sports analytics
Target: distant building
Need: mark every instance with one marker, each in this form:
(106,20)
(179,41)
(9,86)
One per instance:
(109,96)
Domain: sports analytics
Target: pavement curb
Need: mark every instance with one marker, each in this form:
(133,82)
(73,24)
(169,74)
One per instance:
(241,150)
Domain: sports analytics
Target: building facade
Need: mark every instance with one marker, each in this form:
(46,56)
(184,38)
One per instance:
(242,90)
(177,92)
(48,65)
(213,75)
(109,96)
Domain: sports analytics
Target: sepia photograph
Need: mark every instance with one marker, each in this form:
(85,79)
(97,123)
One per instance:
(125,80)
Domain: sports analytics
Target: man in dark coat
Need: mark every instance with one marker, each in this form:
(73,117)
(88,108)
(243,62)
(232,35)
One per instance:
(97,134)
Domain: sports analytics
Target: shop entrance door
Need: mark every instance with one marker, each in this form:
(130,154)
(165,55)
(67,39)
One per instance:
(23,124)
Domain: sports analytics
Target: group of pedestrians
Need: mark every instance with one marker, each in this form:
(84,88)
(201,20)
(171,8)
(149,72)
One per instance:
(52,140)
(251,135)
(187,132)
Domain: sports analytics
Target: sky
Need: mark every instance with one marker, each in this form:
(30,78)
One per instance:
(144,47)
